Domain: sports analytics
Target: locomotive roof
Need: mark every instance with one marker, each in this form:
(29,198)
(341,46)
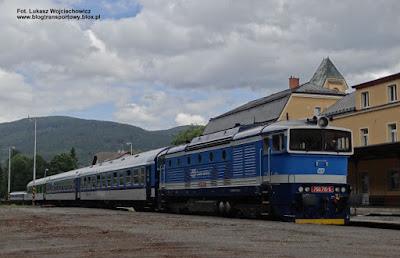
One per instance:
(140,159)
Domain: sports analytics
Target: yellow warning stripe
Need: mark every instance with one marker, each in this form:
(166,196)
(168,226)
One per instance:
(322,221)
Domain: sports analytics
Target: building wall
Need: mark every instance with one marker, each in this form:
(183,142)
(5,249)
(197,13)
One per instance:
(376,120)
(378,94)
(303,105)
(378,175)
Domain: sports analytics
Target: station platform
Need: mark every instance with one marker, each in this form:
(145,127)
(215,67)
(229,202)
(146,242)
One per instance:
(376,217)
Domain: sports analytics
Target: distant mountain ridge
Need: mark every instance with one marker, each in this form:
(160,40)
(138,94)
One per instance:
(57,134)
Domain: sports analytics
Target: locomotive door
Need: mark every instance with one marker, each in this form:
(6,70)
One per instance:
(266,160)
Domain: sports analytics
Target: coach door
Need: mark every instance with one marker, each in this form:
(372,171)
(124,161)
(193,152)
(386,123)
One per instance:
(77,190)
(148,182)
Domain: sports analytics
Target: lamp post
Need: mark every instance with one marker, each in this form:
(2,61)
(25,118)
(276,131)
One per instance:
(129,143)
(9,170)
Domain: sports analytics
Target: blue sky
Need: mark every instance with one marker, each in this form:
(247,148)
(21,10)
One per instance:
(161,64)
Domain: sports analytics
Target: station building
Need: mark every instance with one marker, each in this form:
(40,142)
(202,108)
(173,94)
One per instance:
(371,111)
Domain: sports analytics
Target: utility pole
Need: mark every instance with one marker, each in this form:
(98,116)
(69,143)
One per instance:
(9,170)
(34,163)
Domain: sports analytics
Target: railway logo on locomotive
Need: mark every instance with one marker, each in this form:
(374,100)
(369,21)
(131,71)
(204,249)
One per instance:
(194,173)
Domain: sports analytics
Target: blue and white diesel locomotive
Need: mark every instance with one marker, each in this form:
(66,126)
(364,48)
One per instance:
(294,170)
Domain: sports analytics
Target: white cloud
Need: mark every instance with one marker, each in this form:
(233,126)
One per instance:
(180,61)
(187,119)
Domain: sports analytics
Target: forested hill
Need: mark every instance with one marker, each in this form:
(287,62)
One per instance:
(59,134)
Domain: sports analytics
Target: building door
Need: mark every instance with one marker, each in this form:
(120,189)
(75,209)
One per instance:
(365,187)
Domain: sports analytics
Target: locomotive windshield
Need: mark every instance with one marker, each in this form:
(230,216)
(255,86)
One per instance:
(320,140)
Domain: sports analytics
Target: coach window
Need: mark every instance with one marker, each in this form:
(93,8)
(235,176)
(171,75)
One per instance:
(93,182)
(211,156)
(142,176)
(121,178)
(277,142)
(188,160)
(98,181)
(266,144)
(89,183)
(136,176)
(115,179)
(108,179)
(128,178)
(224,154)
(103,180)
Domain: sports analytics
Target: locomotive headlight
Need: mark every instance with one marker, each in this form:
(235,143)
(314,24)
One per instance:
(337,189)
(301,189)
(307,189)
(343,189)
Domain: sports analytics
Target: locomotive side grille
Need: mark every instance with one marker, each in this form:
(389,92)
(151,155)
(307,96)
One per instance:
(214,176)
(187,178)
(227,178)
(250,160)
(237,156)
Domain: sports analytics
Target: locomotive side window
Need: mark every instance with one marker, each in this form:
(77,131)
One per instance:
(266,144)
(188,160)
(211,156)
(128,178)
(170,163)
(224,154)
(199,158)
(136,176)
(278,142)
(179,161)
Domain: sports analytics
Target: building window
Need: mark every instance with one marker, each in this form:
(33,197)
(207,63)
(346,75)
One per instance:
(392,93)
(392,130)
(364,99)
(317,111)
(393,180)
(364,137)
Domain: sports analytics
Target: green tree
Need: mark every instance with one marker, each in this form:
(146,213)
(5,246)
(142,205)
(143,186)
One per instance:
(73,154)
(21,174)
(62,162)
(188,134)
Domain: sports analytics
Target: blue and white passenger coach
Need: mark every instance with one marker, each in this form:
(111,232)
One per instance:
(293,170)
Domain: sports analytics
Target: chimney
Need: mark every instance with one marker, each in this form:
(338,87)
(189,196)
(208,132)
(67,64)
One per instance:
(293,82)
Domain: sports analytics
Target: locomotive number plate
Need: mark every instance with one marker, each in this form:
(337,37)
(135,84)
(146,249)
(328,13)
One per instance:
(322,189)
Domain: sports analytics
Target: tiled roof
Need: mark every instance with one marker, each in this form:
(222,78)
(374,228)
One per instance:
(344,105)
(325,70)
(311,88)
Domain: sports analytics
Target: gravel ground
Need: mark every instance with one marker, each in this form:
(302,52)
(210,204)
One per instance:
(71,232)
